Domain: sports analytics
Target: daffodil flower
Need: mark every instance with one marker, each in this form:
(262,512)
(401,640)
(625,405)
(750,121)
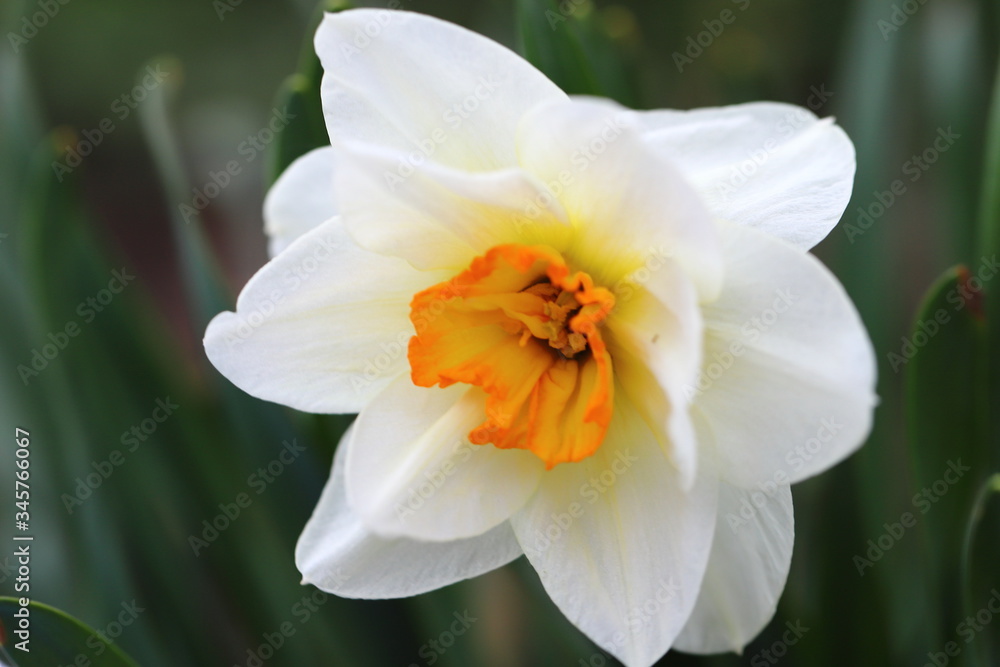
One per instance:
(587,335)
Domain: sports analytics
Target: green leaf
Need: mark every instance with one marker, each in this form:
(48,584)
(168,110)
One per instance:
(55,638)
(299,98)
(573,48)
(943,360)
(971,601)
(300,95)
(989,236)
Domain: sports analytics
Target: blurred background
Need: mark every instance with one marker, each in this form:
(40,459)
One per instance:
(116,119)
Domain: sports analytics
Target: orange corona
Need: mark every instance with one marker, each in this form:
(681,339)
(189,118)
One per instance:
(523,327)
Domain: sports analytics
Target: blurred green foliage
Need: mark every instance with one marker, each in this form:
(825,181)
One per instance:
(184,84)
(58,639)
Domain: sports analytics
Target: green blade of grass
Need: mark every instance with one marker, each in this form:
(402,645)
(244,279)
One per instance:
(568,44)
(989,245)
(981,651)
(944,427)
(56,638)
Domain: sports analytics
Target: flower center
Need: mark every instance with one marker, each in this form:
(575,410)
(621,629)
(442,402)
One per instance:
(523,327)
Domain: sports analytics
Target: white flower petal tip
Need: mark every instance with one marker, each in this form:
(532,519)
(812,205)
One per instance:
(405,81)
(746,574)
(338,554)
(322,327)
(618,546)
(772,166)
(300,200)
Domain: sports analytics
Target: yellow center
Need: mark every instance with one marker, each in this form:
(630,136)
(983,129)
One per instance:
(521,326)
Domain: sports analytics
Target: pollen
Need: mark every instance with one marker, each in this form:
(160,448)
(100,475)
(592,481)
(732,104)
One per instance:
(560,305)
(519,324)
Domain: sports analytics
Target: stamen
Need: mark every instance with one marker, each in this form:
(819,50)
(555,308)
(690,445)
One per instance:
(524,328)
(560,306)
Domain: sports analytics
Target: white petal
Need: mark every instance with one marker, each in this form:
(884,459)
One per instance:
(301,199)
(625,201)
(415,83)
(339,555)
(655,338)
(322,327)
(617,544)
(788,378)
(751,555)
(412,472)
(438,217)
(775,167)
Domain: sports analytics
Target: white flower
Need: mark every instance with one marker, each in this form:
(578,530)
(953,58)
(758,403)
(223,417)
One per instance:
(584,334)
